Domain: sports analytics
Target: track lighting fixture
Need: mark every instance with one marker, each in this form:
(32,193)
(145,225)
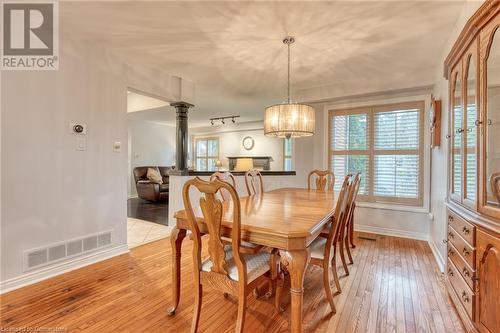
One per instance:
(223,119)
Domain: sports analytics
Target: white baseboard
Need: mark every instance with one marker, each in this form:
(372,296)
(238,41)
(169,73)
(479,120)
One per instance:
(391,232)
(437,255)
(60,268)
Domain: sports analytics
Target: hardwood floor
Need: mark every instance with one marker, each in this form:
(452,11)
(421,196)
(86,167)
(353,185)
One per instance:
(156,212)
(393,286)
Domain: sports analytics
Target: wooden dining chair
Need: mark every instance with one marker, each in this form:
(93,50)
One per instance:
(228,177)
(323,179)
(324,247)
(226,269)
(253,182)
(346,230)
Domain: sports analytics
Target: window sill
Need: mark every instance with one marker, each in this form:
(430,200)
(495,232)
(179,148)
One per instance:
(393,207)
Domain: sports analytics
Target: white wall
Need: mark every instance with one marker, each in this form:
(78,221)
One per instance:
(151,143)
(51,192)
(387,219)
(230,142)
(440,154)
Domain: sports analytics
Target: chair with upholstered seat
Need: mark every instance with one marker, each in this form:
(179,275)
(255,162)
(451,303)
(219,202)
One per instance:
(321,248)
(349,221)
(254,182)
(228,177)
(226,269)
(323,179)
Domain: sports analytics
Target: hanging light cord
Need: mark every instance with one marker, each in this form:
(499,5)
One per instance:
(289,99)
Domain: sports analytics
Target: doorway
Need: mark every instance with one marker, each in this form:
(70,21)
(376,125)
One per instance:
(151,154)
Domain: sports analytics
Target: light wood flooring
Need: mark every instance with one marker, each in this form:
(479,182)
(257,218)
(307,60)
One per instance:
(394,286)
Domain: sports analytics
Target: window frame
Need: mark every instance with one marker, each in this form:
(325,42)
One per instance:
(370,111)
(205,157)
(287,157)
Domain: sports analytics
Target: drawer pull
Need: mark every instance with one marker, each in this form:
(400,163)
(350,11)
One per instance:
(466,272)
(465,297)
(450,235)
(450,218)
(451,253)
(465,252)
(445,241)
(450,272)
(466,231)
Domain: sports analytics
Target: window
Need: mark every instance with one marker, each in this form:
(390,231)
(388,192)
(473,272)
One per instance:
(384,143)
(287,154)
(207,153)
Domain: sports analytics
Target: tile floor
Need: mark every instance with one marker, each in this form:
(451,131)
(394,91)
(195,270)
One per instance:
(141,232)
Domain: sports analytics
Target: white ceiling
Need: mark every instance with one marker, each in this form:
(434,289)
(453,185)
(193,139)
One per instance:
(233,50)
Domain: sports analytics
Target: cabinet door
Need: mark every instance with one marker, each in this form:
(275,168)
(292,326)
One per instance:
(490,106)
(488,269)
(470,126)
(456,136)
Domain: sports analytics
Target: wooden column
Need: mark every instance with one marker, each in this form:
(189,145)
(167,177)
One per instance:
(181,153)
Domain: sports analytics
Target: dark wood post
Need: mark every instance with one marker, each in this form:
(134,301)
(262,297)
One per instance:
(181,153)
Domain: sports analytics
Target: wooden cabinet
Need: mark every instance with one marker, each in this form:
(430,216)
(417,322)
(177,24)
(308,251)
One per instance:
(473,263)
(488,266)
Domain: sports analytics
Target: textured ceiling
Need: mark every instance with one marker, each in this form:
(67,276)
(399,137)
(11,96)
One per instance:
(233,50)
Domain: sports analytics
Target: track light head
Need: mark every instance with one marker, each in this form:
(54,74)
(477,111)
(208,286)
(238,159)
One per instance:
(223,122)
(233,120)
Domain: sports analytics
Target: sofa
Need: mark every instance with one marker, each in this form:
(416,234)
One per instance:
(148,190)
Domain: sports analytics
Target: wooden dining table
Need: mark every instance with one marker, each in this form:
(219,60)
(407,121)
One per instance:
(288,219)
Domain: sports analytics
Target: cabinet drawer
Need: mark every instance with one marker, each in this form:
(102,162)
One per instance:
(464,228)
(464,293)
(465,271)
(467,252)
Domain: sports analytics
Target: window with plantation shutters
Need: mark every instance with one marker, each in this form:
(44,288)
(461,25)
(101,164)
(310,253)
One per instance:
(384,144)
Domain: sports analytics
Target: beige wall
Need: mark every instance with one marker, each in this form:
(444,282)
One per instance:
(50,191)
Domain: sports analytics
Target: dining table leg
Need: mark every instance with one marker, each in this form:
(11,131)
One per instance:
(176,238)
(295,262)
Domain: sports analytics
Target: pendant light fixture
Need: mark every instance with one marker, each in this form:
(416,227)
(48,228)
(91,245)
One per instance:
(289,120)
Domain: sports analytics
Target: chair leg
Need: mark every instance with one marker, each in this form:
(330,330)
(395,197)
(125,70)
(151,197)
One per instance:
(275,271)
(334,270)
(240,319)
(326,285)
(351,229)
(348,249)
(342,254)
(280,281)
(197,309)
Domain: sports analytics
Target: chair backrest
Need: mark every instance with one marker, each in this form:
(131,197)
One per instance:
(253,182)
(324,180)
(495,185)
(213,210)
(224,177)
(339,215)
(353,193)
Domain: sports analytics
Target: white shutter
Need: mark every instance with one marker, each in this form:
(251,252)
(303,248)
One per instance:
(383,143)
(396,154)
